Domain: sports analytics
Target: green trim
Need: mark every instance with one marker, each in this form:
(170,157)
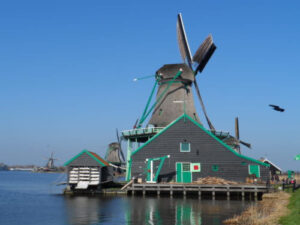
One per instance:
(129,170)
(225,145)
(128,163)
(159,167)
(87,152)
(148,103)
(206,131)
(162,160)
(158,134)
(149,170)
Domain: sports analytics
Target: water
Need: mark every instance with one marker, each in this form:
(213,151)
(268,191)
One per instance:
(32,199)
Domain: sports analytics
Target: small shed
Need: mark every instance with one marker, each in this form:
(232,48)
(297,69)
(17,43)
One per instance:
(274,169)
(87,171)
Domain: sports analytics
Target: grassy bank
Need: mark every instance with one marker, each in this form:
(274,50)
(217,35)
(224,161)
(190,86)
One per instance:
(293,218)
(266,212)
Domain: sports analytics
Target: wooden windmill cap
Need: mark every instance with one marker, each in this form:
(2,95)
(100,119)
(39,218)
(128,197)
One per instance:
(168,71)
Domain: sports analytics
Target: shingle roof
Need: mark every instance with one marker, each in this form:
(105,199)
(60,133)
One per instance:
(91,154)
(99,158)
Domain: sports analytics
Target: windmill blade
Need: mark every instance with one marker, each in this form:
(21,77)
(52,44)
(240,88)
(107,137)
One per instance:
(204,53)
(120,146)
(237,134)
(183,44)
(203,107)
(237,130)
(245,143)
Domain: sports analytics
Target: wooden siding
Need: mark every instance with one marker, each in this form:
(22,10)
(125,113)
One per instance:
(204,149)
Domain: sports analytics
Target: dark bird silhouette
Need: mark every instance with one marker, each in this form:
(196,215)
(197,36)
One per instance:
(277,108)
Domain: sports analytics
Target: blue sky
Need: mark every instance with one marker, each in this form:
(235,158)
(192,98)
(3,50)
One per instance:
(66,70)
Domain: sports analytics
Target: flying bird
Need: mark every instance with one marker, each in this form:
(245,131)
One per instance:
(277,108)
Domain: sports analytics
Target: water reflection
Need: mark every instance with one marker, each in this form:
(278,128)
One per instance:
(150,211)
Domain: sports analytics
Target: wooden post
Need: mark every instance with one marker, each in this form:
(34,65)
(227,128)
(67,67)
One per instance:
(228,193)
(213,195)
(171,191)
(199,192)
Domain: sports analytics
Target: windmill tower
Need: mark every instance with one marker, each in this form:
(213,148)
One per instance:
(114,153)
(175,83)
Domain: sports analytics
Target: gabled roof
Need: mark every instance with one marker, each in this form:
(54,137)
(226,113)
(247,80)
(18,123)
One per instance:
(265,160)
(96,157)
(185,116)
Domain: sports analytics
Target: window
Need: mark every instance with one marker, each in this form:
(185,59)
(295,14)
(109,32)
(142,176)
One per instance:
(215,168)
(186,167)
(185,147)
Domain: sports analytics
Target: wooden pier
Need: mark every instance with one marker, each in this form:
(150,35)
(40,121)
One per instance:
(240,191)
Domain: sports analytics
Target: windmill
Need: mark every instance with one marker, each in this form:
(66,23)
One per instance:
(50,162)
(114,153)
(175,83)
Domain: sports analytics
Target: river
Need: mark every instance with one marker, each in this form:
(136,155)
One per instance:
(34,199)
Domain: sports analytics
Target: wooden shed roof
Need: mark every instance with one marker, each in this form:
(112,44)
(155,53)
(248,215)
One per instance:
(93,155)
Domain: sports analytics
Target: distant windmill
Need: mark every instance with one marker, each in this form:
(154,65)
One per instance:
(114,153)
(50,162)
(175,83)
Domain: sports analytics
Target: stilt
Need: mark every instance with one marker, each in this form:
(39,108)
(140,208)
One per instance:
(243,195)
(228,195)
(213,195)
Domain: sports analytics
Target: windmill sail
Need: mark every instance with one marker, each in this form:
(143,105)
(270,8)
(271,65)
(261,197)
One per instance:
(183,44)
(204,53)
(212,128)
(237,134)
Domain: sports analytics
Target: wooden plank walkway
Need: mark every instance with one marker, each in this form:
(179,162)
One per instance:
(198,189)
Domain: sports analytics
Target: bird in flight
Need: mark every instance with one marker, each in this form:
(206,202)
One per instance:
(277,108)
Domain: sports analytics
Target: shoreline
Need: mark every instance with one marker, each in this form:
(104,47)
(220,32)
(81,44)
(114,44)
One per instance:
(269,211)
